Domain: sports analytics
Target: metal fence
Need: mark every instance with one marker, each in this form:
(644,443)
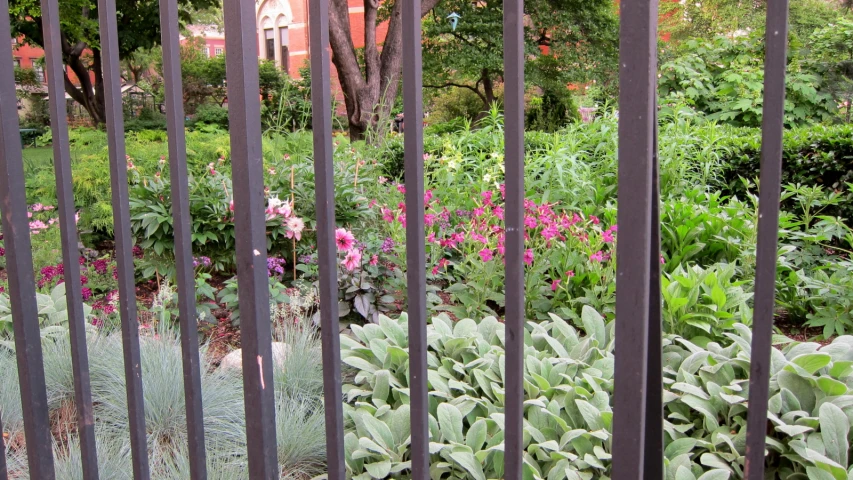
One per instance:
(637,430)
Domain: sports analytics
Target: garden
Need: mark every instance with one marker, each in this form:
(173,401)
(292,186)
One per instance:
(709,155)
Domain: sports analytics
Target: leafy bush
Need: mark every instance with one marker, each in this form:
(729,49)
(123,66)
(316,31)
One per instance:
(568,390)
(52,312)
(209,114)
(724,79)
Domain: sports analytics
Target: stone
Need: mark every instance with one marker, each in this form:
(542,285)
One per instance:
(234,360)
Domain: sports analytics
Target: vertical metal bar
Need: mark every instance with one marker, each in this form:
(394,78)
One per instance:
(19,267)
(654,374)
(775,60)
(68,231)
(413,108)
(244,113)
(123,238)
(185,274)
(324,191)
(637,78)
(513,19)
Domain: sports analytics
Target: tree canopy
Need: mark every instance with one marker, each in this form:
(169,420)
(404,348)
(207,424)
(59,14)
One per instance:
(138,29)
(566,41)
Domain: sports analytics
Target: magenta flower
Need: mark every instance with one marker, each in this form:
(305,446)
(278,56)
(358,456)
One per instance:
(374,260)
(486,254)
(662,261)
(597,257)
(387,215)
(607,236)
(530,222)
(479,211)
(487,197)
(498,211)
(429,219)
(352,260)
(428,196)
(528,256)
(344,239)
(550,232)
(431,237)
(555,285)
(594,219)
(570,273)
(401,188)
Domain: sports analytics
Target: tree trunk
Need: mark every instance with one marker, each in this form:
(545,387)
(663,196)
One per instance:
(90,96)
(369,95)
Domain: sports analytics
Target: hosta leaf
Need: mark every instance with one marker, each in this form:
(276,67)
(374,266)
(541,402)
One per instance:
(834,428)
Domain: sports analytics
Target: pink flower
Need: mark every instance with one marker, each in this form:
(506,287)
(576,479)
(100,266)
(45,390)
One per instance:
(607,236)
(428,196)
(594,219)
(429,219)
(479,211)
(570,273)
(528,256)
(402,219)
(352,260)
(498,211)
(344,240)
(29,214)
(401,188)
(597,257)
(374,260)
(372,203)
(487,197)
(382,180)
(295,225)
(271,171)
(530,222)
(550,232)
(486,254)
(662,261)
(387,215)
(555,285)
(38,207)
(431,237)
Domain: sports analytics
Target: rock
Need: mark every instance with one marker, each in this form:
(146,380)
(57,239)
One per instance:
(234,360)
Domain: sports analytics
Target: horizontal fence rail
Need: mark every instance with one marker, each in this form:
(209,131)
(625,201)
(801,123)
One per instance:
(638,437)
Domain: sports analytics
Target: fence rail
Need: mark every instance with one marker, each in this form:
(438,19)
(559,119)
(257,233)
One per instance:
(638,420)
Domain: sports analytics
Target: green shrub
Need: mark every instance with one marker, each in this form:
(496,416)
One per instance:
(209,114)
(568,389)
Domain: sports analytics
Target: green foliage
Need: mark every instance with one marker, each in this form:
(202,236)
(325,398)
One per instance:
(831,50)
(578,32)
(724,79)
(208,114)
(52,314)
(568,389)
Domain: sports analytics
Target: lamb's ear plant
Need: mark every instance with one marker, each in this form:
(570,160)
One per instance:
(52,312)
(568,404)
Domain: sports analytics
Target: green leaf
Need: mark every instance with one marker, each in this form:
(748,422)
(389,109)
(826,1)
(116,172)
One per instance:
(812,362)
(679,447)
(379,431)
(834,428)
(716,474)
(379,469)
(476,436)
(593,323)
(591,415)
(831,387)
(450,422)
(467,461)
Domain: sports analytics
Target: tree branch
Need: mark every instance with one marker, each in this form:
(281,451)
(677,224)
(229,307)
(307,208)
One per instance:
(460,85)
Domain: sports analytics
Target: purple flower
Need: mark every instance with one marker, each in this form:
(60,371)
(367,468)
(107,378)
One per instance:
(388,245)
